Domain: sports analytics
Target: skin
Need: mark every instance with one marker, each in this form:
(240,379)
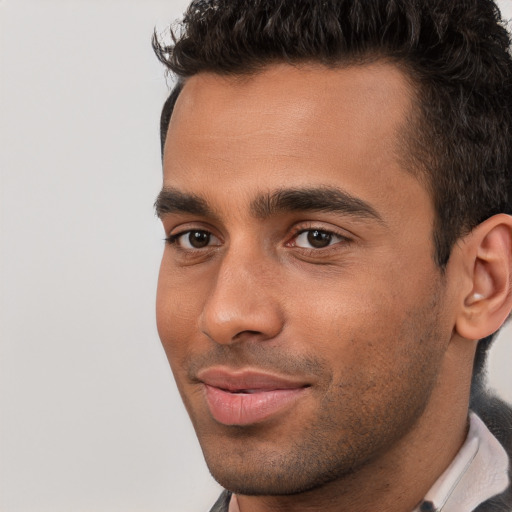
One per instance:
(367,322)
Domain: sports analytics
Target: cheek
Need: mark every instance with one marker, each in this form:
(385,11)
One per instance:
(383,361)
(178,306)
(366,327)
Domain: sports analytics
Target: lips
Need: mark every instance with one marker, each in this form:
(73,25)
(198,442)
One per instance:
(247,397)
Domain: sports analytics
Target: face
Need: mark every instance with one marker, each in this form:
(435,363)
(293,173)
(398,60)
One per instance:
(298,301)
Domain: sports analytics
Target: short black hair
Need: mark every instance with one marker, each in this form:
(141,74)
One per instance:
(456,53)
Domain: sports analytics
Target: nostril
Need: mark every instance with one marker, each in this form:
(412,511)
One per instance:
(248,332)
(250,335)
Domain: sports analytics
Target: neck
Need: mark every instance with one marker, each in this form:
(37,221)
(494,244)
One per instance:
(397,480)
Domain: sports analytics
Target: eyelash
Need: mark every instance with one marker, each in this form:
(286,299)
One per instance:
(331,233)
(174,238)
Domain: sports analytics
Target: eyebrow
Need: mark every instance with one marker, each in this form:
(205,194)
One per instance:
(319,199)
(171,200)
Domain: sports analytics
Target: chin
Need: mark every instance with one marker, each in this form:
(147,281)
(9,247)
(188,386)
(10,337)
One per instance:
(268,472)
(266,483)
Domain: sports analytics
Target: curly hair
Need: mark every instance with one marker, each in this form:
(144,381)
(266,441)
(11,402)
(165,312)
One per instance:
(456,53)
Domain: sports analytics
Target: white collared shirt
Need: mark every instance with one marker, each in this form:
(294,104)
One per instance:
(478,472)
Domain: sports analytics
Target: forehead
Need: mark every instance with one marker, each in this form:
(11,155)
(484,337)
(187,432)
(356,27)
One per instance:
(305,125)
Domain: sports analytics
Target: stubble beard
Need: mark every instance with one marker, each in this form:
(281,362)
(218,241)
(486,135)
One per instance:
(350,431)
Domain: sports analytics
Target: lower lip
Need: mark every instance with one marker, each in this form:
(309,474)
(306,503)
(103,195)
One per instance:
(247,408)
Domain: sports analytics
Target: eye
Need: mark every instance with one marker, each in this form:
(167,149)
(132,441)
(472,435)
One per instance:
(316,239)
(194,239)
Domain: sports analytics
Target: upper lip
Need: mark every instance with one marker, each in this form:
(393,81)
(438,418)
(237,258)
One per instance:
(246,379)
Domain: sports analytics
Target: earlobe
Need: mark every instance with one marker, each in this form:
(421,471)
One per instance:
(487,251)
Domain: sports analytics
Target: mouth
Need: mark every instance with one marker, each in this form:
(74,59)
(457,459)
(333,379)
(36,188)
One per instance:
(248,397)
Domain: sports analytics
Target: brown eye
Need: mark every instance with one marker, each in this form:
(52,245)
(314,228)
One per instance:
(194,239)
(198,239)
(317,239)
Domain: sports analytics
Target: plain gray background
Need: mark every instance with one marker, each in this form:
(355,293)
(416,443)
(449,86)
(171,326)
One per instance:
(89,416)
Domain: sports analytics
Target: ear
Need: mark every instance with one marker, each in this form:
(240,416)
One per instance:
(487,255)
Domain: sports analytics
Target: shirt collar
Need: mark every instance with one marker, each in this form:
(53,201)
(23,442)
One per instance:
(478,472)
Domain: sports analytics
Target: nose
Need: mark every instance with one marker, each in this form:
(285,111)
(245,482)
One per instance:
(242,304)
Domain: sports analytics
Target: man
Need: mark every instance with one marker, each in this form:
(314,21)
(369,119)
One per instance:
(335,199)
